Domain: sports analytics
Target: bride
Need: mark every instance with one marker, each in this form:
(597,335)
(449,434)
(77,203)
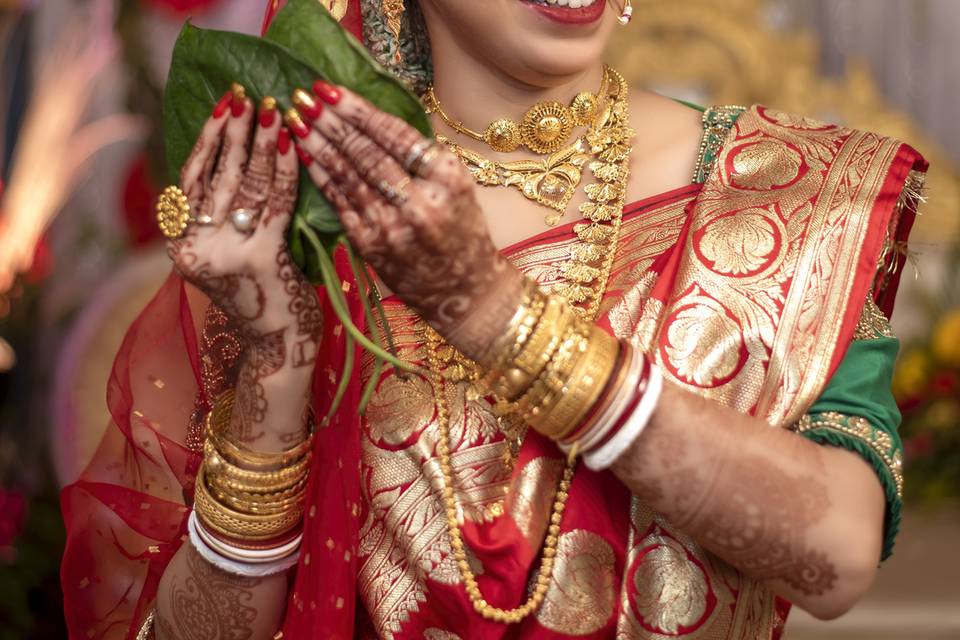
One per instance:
(645,389)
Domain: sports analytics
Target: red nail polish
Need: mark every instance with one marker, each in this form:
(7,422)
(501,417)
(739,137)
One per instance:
(239,102)
(283,141)
(222,106)
(327,92)
(268,112)
(306,105)
(305,158)
(292,118)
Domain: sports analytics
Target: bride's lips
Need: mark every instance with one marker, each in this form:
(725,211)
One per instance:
(567,15)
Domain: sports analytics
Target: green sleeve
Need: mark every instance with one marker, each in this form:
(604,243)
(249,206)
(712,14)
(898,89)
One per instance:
(857,411)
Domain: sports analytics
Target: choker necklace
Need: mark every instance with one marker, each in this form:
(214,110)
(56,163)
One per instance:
(545,128)
(551,181)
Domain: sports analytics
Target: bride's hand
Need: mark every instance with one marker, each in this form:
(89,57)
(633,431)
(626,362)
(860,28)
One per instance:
(409,208)
(246,268)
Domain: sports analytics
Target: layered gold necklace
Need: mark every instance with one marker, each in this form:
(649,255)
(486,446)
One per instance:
(586,273)
(551,181)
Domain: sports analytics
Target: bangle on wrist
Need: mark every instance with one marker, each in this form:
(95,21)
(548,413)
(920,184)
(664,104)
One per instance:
(632,425)
(241,562)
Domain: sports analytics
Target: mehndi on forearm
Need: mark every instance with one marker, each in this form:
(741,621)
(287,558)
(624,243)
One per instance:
(197,601)
(804,518)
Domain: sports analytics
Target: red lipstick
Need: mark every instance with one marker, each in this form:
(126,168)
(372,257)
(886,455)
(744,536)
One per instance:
(566,15)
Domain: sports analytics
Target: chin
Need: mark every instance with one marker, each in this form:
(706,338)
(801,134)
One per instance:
(534,41)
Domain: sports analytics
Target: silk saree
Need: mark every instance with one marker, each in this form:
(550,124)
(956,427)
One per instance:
(764,285)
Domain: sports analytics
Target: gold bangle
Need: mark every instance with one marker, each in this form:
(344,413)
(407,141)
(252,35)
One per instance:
(256,494)
(242,526)
(218,423)
(543,392)
(608,393)
(517,377)
(522,326)
(257,507)
(531,305)
(583,387)
(260,481)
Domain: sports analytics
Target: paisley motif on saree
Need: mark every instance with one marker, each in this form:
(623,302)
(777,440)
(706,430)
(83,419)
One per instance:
(746,290)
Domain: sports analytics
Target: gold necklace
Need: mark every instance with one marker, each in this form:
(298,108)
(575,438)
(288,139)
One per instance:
(545,127)
(587,273)
(551,182)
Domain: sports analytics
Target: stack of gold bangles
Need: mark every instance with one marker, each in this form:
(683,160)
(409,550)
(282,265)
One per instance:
(248,506)
(570,380)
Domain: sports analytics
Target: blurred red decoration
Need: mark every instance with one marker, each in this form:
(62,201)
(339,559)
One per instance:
(137,200)
(13,506)
(42,262)
(183,7)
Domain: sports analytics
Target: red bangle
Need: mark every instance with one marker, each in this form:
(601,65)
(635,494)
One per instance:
(613,384)
(628,411)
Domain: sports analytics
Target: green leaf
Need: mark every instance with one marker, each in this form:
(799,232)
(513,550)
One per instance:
(303,44)
(306,27)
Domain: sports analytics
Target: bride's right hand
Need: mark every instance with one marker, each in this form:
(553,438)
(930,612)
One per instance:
(248,272)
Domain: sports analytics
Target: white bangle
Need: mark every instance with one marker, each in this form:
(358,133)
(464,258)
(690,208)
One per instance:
(240,562)
(609,418)
(624,396)
(606,455)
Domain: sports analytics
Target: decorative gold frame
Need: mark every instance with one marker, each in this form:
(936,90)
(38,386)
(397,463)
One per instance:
(727,52)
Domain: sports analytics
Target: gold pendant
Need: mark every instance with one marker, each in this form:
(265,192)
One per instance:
(551,182)
(546,127)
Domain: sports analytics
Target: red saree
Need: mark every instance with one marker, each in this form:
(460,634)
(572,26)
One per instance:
(745,289)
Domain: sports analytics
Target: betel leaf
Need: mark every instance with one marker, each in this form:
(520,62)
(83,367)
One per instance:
(306,27)
(205,62)
(304,43)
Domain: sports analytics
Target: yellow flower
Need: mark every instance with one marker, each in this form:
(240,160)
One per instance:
(911,373)
(946,339)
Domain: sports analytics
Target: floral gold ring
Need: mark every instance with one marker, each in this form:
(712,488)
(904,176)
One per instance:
(173,213)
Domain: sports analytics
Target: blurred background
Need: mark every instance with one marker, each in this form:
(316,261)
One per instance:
(81,158)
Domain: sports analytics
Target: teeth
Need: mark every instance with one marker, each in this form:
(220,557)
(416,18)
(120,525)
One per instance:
(572,4)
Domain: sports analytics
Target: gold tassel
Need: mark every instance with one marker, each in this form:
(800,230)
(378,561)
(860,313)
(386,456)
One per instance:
(393,10)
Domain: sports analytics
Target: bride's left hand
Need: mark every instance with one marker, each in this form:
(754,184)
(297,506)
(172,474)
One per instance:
(409,208)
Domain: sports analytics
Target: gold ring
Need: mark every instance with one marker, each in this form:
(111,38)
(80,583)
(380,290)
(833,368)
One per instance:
(416,153)
(396,194)
(173,212)
(425,158)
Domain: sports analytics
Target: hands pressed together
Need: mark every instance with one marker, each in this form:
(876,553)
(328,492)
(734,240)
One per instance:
(407,205)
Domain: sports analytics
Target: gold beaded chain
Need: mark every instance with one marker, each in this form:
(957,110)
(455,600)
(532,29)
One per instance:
(545,127)
(480,605)
(586,273)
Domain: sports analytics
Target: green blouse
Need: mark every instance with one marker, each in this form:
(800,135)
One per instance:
(856,410)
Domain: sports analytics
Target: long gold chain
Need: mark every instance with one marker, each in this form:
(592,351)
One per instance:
(545,127)
(587,273)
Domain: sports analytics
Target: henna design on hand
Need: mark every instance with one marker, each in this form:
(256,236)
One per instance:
(305,307)
(434,250)
(250,276)
(209,604)
(263,358)
(747,509)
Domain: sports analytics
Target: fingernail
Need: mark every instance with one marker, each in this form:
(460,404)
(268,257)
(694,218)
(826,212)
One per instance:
(293,120)
(310,108)
(239,103)
(327,92)
(283,141)
(223,105)
(305,158)
(268,111)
